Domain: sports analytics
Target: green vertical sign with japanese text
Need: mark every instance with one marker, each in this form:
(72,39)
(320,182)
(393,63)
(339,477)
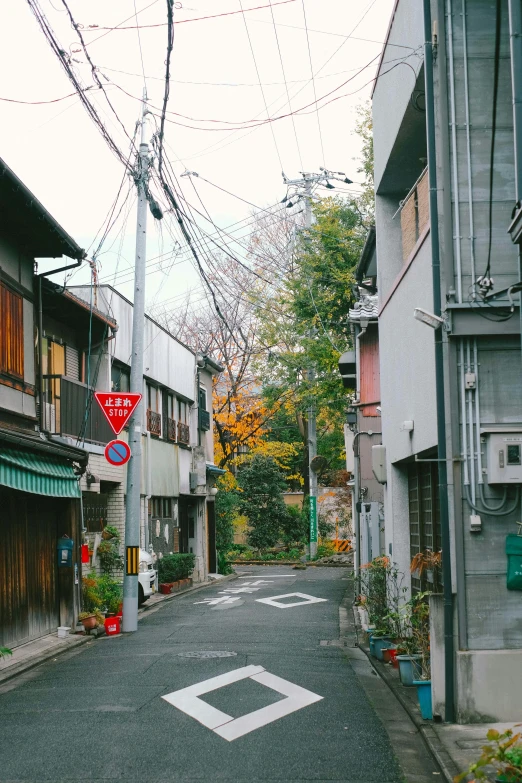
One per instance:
(313,520)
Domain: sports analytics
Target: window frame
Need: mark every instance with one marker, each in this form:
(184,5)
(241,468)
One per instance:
(11,333)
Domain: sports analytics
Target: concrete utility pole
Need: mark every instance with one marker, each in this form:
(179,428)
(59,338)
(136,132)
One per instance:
(301,189)
(133,502)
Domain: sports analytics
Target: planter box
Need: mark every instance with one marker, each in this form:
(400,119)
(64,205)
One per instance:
(408,669)
(379,644)
(165,588)
(424,697)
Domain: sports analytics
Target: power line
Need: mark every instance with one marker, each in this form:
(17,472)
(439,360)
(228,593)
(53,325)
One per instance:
(313,83)
(141,50)
(260,84)
(286,85)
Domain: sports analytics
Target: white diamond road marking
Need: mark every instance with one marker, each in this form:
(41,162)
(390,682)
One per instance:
(187,700)
(274,601)
(213,601)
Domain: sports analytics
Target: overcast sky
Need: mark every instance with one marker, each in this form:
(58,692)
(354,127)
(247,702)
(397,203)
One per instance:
(60,155)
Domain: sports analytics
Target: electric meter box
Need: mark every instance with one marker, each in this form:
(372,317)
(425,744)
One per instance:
(504,456)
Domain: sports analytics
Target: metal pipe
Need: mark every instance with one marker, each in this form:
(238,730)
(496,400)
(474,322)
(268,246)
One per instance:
(449,663)
(463,414)
(477,414)
(468,144)
(456,214)
(470,425)
(515,44)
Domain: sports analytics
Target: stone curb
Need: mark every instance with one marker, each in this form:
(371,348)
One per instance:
(426,730)
(16,669)
(145,610)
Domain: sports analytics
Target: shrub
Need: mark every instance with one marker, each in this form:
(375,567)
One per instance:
(172,568)
(294,527)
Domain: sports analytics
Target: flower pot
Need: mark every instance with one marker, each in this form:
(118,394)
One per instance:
(379,644)
(165,588)
(392,652)
(89,622)
(407,671)
(386,654)
(424,697)
(371,642)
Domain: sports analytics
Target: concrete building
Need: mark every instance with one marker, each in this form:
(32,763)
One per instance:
(481,368)
(178,471)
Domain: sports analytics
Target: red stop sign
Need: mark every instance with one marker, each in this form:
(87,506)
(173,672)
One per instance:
(118,407)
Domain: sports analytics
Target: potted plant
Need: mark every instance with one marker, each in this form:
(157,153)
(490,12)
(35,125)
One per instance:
(420,629)
(88,620)
(109,531)
(380,640)
(503,754)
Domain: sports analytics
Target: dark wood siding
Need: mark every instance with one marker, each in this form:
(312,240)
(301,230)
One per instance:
(11,333)
(28,569)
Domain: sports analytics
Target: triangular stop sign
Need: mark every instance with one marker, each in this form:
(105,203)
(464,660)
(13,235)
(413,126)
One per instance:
(118,407)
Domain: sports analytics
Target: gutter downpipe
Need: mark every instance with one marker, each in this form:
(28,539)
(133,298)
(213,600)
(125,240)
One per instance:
(449,664)
(515,45)
(40,331)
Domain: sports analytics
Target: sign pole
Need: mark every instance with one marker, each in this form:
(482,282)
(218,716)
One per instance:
(133,499)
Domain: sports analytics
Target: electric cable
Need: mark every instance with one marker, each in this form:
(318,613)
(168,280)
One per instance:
(496,71)
(313,83)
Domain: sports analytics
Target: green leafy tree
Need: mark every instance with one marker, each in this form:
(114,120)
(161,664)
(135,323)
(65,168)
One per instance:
(262,484)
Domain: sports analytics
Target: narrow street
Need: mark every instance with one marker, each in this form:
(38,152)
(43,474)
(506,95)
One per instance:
(100,713)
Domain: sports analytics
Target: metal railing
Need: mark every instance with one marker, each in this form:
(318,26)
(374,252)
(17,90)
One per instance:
(154,422)
(69,408)
(171,430)
(183,433)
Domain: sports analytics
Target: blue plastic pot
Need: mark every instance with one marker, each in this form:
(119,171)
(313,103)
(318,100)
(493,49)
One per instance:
(407,671)
(379,644)
(424,697)
(371,642)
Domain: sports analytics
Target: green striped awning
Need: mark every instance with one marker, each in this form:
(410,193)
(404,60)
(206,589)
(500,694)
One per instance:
(41,475)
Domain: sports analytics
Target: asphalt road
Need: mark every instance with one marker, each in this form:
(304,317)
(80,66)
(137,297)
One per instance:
(290,709)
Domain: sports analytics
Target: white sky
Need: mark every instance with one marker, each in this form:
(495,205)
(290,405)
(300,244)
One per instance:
(60,155)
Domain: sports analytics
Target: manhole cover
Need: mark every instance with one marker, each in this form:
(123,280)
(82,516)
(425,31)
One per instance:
(207,654)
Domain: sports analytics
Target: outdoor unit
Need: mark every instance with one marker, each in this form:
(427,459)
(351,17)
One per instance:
(504,456)
(370,530)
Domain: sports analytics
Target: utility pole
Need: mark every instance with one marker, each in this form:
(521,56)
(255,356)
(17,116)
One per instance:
(133,501)
(301,189)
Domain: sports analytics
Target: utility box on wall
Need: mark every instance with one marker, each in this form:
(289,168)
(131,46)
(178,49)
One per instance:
(504,456)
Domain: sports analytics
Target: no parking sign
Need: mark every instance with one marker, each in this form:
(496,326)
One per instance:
(117,452)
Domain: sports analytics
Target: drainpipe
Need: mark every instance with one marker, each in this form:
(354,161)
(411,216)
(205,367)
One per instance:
(357,493)
(449,664)
(515,44)
(40,331)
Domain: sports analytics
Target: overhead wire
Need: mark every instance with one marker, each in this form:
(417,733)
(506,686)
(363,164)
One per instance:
(140,50)
(313,83)
(261,85)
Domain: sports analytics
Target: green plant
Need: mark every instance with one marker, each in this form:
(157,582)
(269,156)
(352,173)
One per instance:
(261,500)
(294,528)
(85,615)
(91,593)
(504,754)
(326,549)
(109,554)
(294,554)
(172,568)
(419,616)
(5,651)
(224,566)
(110,592)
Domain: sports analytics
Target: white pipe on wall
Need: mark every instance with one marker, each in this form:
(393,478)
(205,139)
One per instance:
(463,414)
(472,456)
(477,414)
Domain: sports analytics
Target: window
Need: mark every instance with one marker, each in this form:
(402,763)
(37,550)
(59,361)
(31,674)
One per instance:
(11,333)
(161,508)
(202,398)
(120,378)
(183,412)
(154,410)
(203,414)
(424,514)
(183,422)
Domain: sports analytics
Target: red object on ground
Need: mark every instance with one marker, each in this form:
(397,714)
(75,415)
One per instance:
(165,588)
(85,553)
(393,658)
(112,626)
(118,407)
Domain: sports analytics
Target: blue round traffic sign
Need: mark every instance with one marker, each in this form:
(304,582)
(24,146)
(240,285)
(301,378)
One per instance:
(117,452)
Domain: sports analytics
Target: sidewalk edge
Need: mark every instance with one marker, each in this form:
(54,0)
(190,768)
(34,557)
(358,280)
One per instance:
(31,663)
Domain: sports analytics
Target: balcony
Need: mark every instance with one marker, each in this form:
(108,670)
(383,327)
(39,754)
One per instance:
(154,422)
(183,433)
(69,409)
(171,430)
(415,214)
(204,420)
